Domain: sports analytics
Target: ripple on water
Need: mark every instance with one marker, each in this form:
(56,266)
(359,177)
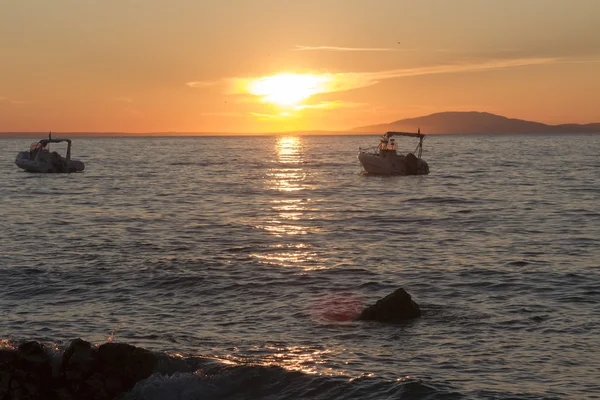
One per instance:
(262,259)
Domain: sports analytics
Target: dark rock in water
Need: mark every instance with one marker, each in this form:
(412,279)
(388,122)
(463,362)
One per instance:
(26,373)
(7,362)
(124,365)
(397,306)
(78,363)
(85,372)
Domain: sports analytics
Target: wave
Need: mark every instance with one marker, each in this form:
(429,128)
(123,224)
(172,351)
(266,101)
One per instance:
(118,370)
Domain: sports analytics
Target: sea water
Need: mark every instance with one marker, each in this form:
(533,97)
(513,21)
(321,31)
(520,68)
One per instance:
(250,256)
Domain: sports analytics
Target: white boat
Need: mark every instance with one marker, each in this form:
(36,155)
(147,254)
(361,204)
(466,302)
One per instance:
(39,158)
(385,160)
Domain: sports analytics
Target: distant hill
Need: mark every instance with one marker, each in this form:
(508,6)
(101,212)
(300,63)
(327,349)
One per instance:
(474,122)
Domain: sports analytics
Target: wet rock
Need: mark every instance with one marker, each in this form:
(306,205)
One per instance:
(85,372)
(26,373)
(5,382)
(95,389)
(78,361)
(397,306)
(124,365)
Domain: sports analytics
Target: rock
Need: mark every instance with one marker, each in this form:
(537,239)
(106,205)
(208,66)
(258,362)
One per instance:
(78,361)
(397,306)
(123,365)
(30,373)
(85,372)
(7,365)
(5,382)
(95,389)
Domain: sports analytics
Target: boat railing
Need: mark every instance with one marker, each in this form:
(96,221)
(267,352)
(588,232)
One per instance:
(372,149)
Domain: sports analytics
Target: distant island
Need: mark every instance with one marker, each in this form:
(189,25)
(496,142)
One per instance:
(473,122)
(439,123)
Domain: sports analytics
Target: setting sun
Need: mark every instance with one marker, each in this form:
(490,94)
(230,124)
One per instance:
(287,89)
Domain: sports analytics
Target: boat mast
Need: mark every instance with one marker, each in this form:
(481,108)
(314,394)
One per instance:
(420,151)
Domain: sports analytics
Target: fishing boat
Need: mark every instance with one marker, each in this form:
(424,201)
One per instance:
(385,159)
(39,158)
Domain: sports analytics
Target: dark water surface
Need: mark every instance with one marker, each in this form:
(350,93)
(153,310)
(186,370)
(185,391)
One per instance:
(253,253)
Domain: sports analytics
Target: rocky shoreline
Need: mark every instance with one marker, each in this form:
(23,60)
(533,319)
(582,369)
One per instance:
(84,371)
(28,372)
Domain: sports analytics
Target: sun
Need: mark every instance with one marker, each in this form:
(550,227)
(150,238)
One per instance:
(287,89)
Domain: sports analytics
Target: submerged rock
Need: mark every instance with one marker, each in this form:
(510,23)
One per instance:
(397,306)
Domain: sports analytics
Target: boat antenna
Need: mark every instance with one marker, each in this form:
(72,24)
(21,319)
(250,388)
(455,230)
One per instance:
(419,149)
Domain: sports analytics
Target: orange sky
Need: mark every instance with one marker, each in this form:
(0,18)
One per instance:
(277,65)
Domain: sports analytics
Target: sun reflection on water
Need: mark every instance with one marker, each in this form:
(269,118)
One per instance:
(288,218)
(307,359)
(288,177)
(299,358)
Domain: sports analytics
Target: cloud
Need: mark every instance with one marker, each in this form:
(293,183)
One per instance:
(329,105)
(344,81)
(124,99)
(6,100)
(402,48)
(271,117)
(202,84)
(336,48)
(354,80)
(293,92)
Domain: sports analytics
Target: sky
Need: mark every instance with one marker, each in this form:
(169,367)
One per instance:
(251,66)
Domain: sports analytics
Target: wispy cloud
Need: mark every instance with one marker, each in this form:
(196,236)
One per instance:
(202,84)
(343,81)
(353,80)
(6,100)
(292,92)
(124,99)
(400,47)
(270,117)
(329,105)
(338,48)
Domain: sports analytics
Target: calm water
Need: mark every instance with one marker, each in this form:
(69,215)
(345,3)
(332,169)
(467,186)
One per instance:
(256,251)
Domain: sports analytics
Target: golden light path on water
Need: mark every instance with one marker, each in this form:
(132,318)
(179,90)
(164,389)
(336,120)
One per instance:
(290,205)
(306,359)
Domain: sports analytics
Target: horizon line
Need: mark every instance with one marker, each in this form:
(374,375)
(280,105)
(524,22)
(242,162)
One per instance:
(315,132)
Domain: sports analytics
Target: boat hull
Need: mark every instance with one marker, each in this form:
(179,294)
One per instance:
(23,161)
(392,164)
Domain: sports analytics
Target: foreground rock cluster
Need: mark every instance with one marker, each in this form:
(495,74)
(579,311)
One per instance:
(84,372)
(29,372)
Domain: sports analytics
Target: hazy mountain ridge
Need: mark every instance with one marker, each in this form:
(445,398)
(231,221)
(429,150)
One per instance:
(474,122)
(443,122)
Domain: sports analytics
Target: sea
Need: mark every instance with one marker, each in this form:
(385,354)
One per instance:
(247,258)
